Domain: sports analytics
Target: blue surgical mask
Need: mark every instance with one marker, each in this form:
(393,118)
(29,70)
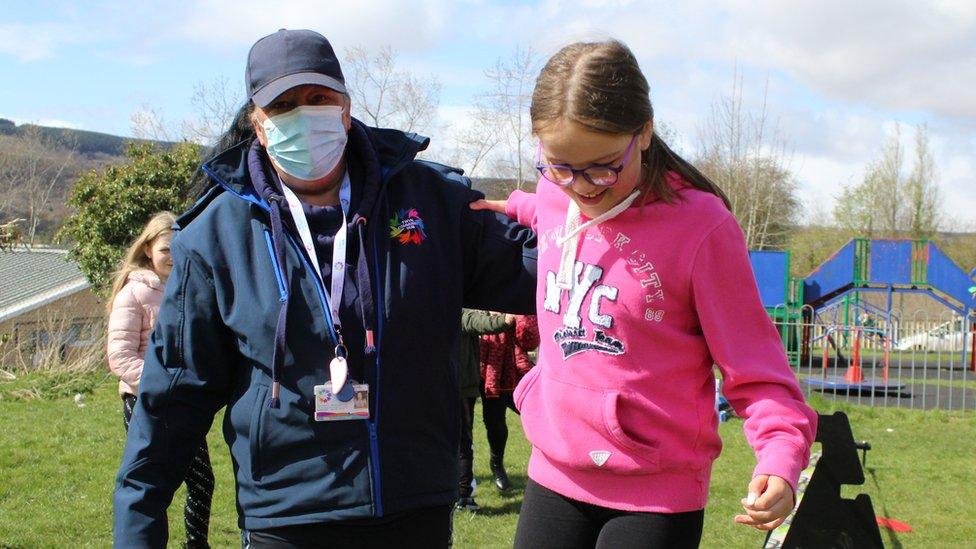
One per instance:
(306,142)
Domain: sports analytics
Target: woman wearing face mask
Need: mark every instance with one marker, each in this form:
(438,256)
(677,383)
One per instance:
(132,309)
(322,262)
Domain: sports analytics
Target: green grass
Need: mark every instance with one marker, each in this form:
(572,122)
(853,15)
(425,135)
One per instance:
(58,463)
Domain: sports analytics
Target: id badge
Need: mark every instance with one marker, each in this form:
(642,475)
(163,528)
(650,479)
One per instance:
(352,402)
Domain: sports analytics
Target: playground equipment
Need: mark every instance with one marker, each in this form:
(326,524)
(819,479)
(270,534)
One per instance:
(831,294)
(781,295)
(892,266)
(823,518)
(853,380)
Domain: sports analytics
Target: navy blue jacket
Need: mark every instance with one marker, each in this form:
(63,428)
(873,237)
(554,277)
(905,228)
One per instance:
(214,345)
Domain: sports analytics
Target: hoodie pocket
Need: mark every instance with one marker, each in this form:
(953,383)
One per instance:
(254,431)
(578,427)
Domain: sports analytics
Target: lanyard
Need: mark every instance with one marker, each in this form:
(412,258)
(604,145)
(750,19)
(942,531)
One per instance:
(333,298)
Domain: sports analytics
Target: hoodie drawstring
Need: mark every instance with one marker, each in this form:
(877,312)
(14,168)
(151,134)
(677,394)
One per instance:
(278,239)
(366,304)
(569,241)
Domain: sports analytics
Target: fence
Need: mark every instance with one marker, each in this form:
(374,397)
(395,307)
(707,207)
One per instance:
(915,361)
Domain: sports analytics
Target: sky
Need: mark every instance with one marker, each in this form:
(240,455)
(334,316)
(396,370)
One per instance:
(839,77)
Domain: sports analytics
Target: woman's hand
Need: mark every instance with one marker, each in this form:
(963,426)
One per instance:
(493,205)
(769,502)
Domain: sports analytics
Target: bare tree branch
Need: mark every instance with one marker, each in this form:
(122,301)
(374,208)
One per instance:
(747,157)
(387,95)
(508,99)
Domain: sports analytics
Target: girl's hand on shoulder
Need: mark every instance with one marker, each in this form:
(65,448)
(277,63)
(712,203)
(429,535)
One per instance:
(769,502)
(493,205)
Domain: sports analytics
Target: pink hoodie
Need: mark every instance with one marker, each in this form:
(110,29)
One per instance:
(132,319)
(620,409)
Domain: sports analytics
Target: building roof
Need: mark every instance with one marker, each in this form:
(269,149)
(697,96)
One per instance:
(31,278)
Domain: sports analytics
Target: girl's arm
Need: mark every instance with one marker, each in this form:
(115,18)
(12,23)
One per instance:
(520,206)
(499,261)
(124,337)
(749,352)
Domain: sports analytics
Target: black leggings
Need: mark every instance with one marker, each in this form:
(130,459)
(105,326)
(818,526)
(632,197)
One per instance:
(199,487)
(549,520)
(493,415)
(426,528)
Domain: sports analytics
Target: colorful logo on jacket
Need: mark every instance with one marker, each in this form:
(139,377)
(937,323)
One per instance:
(407,227)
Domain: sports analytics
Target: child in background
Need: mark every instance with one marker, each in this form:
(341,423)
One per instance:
(504,362)
(644,284)
(136,294)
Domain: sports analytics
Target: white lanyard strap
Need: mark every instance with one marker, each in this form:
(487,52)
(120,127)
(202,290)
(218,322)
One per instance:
(334,298)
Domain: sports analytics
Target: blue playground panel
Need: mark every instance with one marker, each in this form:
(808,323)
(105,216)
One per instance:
(832,275)
(772,276)
(890,265)
(891,262)
(944,275)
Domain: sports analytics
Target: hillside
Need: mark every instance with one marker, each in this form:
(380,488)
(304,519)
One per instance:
(90,144)
(38,164)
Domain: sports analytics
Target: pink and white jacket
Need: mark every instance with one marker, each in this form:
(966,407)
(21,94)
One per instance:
(133,317)
(620,409)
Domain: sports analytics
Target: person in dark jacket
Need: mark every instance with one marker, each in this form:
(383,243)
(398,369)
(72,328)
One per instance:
(474,324)
(323,260)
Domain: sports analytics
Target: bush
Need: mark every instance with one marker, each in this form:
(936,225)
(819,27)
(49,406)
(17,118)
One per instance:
(112,206)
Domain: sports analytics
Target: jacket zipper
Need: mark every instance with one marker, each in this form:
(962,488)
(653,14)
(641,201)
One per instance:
(374,446)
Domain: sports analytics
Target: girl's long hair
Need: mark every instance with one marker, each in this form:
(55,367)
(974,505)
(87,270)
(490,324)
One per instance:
(600,86)
(240,130)
(135,257)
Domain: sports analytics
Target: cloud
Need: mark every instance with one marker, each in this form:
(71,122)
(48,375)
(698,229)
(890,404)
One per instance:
(404,25)
(58,123)
(34,41)
(908,56)
(49,122)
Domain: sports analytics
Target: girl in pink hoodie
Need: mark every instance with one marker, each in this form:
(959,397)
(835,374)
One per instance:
(136,294)
(644,285)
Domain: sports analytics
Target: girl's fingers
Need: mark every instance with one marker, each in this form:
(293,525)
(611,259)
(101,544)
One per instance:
(772,525)
(773,493)
(758,524)
(762,516)
(493,205)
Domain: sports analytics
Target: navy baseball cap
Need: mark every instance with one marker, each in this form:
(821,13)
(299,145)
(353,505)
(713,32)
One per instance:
(289,58)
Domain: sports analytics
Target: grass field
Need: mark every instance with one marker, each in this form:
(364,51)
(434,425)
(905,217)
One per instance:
(58,462)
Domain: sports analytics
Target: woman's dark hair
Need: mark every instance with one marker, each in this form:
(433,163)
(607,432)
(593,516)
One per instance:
(240,130)
(599,85)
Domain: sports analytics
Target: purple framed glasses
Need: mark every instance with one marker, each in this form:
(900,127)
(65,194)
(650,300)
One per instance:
(601,175)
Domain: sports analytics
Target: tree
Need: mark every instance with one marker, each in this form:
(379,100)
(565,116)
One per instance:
(889,203)
(474,143)
(507,106)
(214,106)
(112,206)
(922,190)
(149,123)
(748,160)
(388,96)
(32,169)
